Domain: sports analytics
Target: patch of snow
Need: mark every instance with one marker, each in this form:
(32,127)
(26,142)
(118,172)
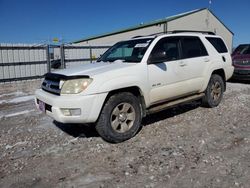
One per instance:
(22,99)
(18,99)
(16,144)
(18,93)
(17,113)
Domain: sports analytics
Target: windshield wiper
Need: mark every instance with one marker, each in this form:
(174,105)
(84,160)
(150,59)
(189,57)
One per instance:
(117,60)
(113,60)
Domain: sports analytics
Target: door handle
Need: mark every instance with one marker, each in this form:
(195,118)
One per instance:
(224,59)
(206,60)
(182,64)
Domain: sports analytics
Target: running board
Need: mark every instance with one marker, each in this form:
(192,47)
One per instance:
(164,106)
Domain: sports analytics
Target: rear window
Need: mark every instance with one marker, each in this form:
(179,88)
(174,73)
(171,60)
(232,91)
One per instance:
(218,44)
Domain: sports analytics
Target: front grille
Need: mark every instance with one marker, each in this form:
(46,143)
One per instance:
(51,84)
(242,62)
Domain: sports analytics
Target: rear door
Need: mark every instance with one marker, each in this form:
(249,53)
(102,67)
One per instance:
(181,71)
(224,59)
(195,60)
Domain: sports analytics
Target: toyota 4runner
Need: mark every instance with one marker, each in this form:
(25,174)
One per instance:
(137,77)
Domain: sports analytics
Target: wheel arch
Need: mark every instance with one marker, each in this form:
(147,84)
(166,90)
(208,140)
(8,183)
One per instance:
(221,73)
(135,90)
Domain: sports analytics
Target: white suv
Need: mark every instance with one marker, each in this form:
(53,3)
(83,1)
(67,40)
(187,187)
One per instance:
(135,78)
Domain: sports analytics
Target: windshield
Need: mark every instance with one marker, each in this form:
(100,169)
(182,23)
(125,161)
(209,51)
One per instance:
(127,51)
(242,50)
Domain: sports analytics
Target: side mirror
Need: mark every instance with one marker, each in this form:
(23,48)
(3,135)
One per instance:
(157,57)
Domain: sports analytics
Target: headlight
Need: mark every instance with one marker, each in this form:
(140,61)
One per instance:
(75,86)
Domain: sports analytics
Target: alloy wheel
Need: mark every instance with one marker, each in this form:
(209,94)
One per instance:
(122,117)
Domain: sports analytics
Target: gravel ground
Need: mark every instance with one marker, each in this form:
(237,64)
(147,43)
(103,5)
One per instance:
(186,146)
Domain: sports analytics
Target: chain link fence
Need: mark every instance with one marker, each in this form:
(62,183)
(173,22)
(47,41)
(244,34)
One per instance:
(24,62)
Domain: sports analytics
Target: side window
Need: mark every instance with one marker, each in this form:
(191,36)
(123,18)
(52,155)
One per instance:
(218,44)
(166,49)
(193,47)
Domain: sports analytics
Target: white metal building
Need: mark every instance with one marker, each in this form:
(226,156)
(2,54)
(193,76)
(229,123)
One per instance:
(199,20)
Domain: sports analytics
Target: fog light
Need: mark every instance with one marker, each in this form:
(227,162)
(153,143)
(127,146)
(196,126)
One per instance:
(71,111)
(66,112)
(75,112)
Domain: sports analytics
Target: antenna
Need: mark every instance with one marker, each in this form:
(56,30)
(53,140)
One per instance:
(210,3)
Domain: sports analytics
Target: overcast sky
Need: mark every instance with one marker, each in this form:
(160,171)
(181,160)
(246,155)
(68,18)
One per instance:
(38,21)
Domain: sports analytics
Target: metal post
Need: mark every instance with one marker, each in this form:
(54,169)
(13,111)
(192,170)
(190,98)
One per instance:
(165,28)
(90,53)
(1,56)
(48,59)
(63,66)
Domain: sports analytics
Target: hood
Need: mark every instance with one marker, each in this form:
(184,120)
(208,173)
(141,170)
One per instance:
(241,57)
(95,68)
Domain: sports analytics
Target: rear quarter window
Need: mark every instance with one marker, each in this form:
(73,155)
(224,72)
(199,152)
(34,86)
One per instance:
(218,44)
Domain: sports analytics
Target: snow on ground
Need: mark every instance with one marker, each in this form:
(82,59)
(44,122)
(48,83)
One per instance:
(16,113)
(186,146)
(17,93)
(18,99)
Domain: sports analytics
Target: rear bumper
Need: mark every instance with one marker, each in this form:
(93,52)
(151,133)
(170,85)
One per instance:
(229,72)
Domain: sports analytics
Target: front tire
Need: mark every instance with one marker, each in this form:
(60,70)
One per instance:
(214,91)
(120,118)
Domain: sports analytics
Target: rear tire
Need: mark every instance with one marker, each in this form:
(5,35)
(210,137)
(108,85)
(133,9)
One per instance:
(214,91)
(120,118)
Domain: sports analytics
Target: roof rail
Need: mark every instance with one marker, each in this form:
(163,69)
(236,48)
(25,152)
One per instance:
(175,31)
(150,35)
(193,31)
(137,36)
(156,34)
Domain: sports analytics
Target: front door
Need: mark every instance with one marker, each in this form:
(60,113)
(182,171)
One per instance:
(165,70)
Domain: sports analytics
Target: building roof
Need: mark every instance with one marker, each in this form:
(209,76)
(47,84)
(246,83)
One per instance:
(143,25)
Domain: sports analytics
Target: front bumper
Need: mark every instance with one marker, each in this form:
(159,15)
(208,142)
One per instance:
(241,74)
(89,105)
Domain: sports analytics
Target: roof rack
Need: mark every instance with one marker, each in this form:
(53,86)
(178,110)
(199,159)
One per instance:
(150,35)
(176,31)
(138,36)
(192,31)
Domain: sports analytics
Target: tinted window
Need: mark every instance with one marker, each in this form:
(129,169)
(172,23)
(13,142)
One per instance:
(193,47)
(218,44)
(168,48)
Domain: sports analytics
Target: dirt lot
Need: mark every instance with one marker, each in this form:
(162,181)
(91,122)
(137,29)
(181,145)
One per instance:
(188,146)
